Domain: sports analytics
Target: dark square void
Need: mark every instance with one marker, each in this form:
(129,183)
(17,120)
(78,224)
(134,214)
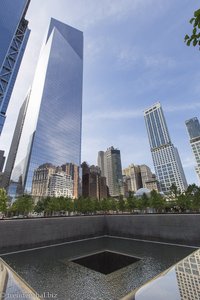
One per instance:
(106,262)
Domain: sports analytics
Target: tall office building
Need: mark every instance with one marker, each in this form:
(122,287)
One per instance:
(100,162)
(93,184)
(133,177)
(14,144)
(54,114)
(139,176)
(14,35)
(110,164)
(165,156)
(193,128)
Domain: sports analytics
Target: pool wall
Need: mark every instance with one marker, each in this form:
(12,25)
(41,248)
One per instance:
(29,233)
(171,228)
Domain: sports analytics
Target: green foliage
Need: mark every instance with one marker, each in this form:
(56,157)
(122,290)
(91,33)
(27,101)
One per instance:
(87,206)
(157,201)
(3,201)
(97,206)
(171,206)
(112,204)
(69,205)
(23,205)
(39,207)
(194,38)
(51,205)
(184,202)
(131,203)
(193,194)
(78,205)
(105,205)
(187,201)
(174,191)
(143,202)
(121,204)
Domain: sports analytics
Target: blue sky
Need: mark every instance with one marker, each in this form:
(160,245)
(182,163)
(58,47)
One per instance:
(134,55)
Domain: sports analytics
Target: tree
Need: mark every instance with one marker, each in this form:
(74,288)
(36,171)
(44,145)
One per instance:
(196,201)
(105,205)
(62,203)
(174,191)
(39,207)
(52,206)
(78,205)
(23,205)
(194,38)
(131,203)
(69,205)
(143,202)
(3,201)
(184,202)
(112,204)
(192,189)
(97,206)
(87,205)
(156,201)
(121,204)
(193,194)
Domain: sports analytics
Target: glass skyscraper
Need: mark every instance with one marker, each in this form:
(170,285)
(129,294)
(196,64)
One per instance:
(109,163)
(14,35)
(14,144)
(54,116)
(193,128)
(167,163)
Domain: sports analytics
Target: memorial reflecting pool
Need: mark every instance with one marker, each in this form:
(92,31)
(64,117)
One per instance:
(56,271)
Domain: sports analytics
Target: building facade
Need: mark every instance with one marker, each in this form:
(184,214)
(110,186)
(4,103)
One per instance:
(72,170)
(14,35)
(139,176)
(133,177)
(55,105)
(110,163)
(41,178)
(167,163)
(93,184)
(193,128)
(101,162)
(51,181)
(60,185)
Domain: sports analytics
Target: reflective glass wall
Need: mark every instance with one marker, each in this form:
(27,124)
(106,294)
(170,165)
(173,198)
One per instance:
(54,116)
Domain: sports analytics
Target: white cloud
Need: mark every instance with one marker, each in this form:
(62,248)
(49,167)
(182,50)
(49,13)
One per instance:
(188,162)
(182,107)
(128,56)
(158,60)
(111,114)
(114,114)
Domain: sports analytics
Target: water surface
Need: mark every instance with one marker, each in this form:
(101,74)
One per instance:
(51,272)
